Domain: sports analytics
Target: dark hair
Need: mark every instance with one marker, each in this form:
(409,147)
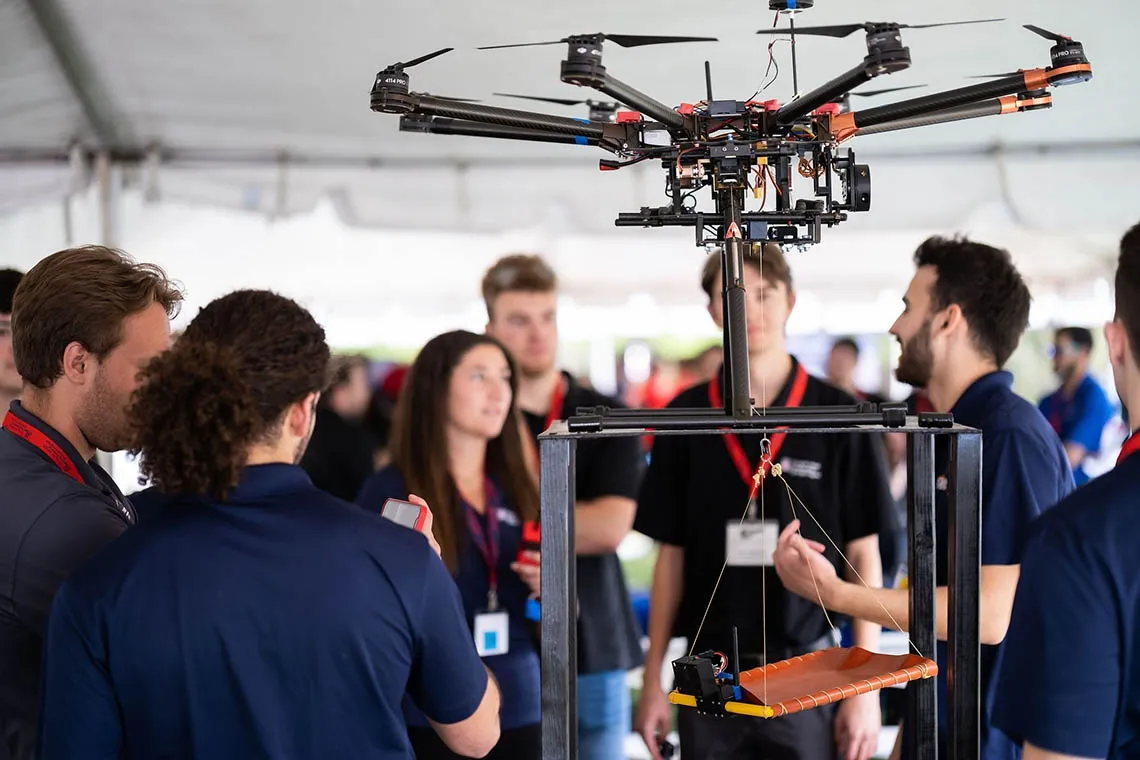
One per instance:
(517,272)
(419,441)
(766,258)
(341,367)
(223,387)
(985,285)
(848,343)
(9,281)
(81,295)
(1081,337)
(1128,287)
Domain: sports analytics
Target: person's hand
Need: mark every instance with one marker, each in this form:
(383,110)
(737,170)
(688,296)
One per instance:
(653,719)
(857,725)
(426,529)
(801,565)
(530,574)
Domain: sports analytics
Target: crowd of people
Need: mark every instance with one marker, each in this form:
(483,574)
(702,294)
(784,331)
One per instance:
(253,601)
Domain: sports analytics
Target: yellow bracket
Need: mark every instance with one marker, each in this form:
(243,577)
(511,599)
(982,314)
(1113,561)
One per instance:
(739,708)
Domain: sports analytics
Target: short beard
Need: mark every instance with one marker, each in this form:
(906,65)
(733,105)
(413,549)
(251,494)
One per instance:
(102,417)
(916,363)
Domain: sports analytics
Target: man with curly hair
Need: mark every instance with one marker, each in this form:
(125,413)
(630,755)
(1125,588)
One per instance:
(85,321)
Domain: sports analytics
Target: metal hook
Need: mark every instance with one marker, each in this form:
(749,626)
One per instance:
(765,449)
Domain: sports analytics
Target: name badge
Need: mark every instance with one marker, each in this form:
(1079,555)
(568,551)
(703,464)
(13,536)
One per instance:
(492,633)
(751,543)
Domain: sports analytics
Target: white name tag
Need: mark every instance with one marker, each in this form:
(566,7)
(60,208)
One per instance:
(751,543)
(492,633)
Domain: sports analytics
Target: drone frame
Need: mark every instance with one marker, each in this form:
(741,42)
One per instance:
(685,141)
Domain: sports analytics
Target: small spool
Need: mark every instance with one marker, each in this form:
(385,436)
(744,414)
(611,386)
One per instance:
(777,470)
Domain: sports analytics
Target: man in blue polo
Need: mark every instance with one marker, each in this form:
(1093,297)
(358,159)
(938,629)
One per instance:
(964,313)
(1069,686)
(1079,410)
(84,322)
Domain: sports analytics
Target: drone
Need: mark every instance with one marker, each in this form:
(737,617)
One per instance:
(737,148)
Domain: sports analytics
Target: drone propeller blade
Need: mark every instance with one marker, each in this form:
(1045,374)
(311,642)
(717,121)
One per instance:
(559,101)
(625,40)
(421,59)
(446,97)
(520,44)
(884,91)
(839,30)
(996,76)
(950,23)
(637,40)
(842,30)
(1047,34)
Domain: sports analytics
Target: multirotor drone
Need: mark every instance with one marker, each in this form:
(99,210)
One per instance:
(737,147)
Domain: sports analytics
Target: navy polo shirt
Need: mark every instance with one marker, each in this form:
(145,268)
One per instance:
(1070,680)
(1024,472)
(281,622)
(50,523)
(517,671)
(1079,420)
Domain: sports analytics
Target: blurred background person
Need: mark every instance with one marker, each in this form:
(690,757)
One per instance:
(256,612)
(1079,410)
(520,293)
(458,442)
(10,381)
(341,455)
(842,361)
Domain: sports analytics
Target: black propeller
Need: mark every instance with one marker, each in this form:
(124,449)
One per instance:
(625,40)
(421,59)
(558,101)
(1047,34)
(842,30)
(996,76)
(884,91)
(447,97)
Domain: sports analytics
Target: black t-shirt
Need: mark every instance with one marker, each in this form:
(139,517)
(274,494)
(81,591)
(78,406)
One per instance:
(607,630)
(339,456)
(693,488)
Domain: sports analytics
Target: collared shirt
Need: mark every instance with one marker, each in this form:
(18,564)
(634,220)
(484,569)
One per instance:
(281,622)
(608,634)
(50,523)
(1080,419)
(1070,680)
(1024,472)
(693,488)
(517,671)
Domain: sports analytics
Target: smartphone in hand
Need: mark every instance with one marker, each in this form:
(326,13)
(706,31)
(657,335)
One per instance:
(405,513)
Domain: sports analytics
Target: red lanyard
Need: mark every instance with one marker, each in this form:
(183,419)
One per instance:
(486,541)
(18,427)
(556,398)
(776,440)
(1131,446)
(555,404)
(1055,414)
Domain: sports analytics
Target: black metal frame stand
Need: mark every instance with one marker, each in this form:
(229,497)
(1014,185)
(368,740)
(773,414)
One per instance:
(559,592)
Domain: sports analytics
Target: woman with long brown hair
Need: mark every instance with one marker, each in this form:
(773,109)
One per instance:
(254,615)
(457,441)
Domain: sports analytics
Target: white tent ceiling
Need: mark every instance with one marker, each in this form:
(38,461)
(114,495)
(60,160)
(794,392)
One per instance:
(263,107)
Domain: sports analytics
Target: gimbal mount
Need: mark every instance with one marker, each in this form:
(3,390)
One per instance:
(734,147)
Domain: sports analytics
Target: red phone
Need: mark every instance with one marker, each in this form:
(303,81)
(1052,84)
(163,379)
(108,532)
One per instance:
(531,542)
(405,513)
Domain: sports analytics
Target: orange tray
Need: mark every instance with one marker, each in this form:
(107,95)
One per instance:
(818,679)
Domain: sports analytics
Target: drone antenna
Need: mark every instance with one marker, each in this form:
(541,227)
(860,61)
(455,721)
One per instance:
(795,74)
(708,82)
